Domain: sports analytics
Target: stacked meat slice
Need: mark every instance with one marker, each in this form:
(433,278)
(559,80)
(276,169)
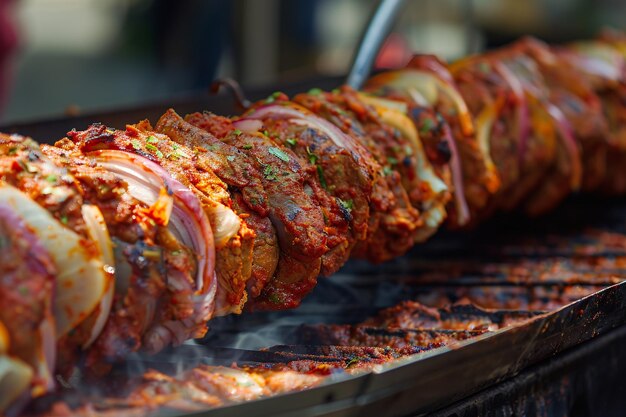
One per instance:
(134,238)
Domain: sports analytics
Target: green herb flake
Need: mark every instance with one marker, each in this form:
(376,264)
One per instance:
(315,91)
(176,252)
(178,154)
(427,126)
(64,219)
(320,174)
(268,173)
(13,150)
(152,139)
(291,141)
(231,158)
(387,171)
(272,98)
(51,178)
(266,133)
(154,149)
(136,144)
(278,153)
(237,132)
(312,156)
(392,160)
(408,150)
(175,146)
(346,204)
(247,146)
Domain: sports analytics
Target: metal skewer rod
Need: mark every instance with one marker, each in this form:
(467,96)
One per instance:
(377,31)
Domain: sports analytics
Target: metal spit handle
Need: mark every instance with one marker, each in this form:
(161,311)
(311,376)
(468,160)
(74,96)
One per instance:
(377,31)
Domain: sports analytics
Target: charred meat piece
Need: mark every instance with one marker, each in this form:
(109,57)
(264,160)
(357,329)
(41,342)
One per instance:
(602,63)
(393,220)
(579,104)
(547,122)
(233,239)
(427,82)
(340,164)
(512,129)
(144,249)
(295,213)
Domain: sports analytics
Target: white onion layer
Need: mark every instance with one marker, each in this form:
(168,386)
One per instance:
(81,280)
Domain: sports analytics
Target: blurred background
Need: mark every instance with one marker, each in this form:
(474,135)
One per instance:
(59,56)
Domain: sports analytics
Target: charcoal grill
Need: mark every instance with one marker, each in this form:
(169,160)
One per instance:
(561,276)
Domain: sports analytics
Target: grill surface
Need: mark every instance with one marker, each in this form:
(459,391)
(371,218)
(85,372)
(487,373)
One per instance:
(509,295)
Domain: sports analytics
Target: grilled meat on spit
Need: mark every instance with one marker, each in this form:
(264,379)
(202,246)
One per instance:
(139,236)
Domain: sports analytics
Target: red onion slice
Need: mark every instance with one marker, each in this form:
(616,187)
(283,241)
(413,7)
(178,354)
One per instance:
(188,220)
(302,116)
(566,132)
(463,213)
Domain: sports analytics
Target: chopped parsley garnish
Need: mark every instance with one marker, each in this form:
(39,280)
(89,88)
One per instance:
(136,144)
(64,219)
(278,153)
(315,91)
(154,149)
(312,156)
(247,146)
(152,139)
(392,160)
(291,141)
(231,158)
(320,174)
(408,150)
(176,154)
(237,132)
(268,173)
(13,150)
(387,171)
(51,178)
